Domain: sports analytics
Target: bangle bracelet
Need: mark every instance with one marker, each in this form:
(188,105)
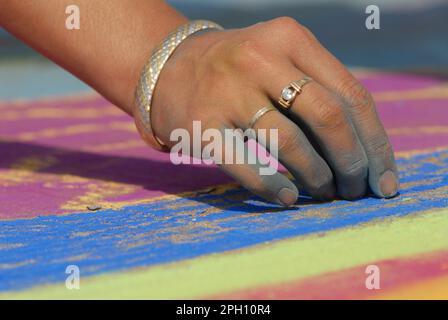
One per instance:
(150,75)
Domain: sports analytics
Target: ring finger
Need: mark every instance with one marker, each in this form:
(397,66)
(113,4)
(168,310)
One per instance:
(294,150)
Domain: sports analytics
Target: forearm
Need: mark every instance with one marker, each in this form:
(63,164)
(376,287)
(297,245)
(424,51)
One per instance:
(114,41)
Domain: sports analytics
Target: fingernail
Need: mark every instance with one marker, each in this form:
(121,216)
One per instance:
(388,184)
(287,197)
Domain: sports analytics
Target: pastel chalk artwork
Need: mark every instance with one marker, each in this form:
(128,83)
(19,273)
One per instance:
(68,198)
(89,211)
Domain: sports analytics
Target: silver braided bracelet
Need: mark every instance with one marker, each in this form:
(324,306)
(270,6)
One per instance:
(152,69)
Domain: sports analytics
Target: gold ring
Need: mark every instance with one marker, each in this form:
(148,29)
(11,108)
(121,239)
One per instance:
(259,114)
(290,92)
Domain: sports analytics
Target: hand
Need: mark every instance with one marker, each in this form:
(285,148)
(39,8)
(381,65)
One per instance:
(331,140)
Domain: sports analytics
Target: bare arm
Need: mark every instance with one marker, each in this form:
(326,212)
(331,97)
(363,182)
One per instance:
(115,39)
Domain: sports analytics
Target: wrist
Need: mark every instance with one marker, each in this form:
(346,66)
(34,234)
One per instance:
(146,42)
(149,77)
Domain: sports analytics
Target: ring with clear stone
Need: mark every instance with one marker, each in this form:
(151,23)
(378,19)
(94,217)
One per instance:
(290,92)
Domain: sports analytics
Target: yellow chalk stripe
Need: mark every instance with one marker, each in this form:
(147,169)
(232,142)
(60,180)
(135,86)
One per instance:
(435,92)
(266,264)
(418,130)
(115,146)
(415,152)
(434,289)
(29,103)
(75,129)
(60,113)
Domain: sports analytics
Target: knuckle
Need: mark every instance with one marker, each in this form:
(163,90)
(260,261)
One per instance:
(356,94)
(379,146)
(304,33)
(356,168)
(286,23)
(328,113)
(288,26)
(288,140)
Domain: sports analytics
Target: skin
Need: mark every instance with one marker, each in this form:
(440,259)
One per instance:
(331,140)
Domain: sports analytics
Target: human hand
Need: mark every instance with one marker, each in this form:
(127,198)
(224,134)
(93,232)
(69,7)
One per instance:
(331,139)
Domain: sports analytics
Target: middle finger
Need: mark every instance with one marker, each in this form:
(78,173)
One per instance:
(320,114)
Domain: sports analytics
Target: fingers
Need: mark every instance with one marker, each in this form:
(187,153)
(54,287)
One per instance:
(273,187)
(320,113)
(314,60)
(294,150)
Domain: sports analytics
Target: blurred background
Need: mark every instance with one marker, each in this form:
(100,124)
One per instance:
(413,38)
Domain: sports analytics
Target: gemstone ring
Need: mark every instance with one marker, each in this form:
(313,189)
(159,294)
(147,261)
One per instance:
(290,92)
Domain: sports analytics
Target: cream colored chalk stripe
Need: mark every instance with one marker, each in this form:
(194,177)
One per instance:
(266,264)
